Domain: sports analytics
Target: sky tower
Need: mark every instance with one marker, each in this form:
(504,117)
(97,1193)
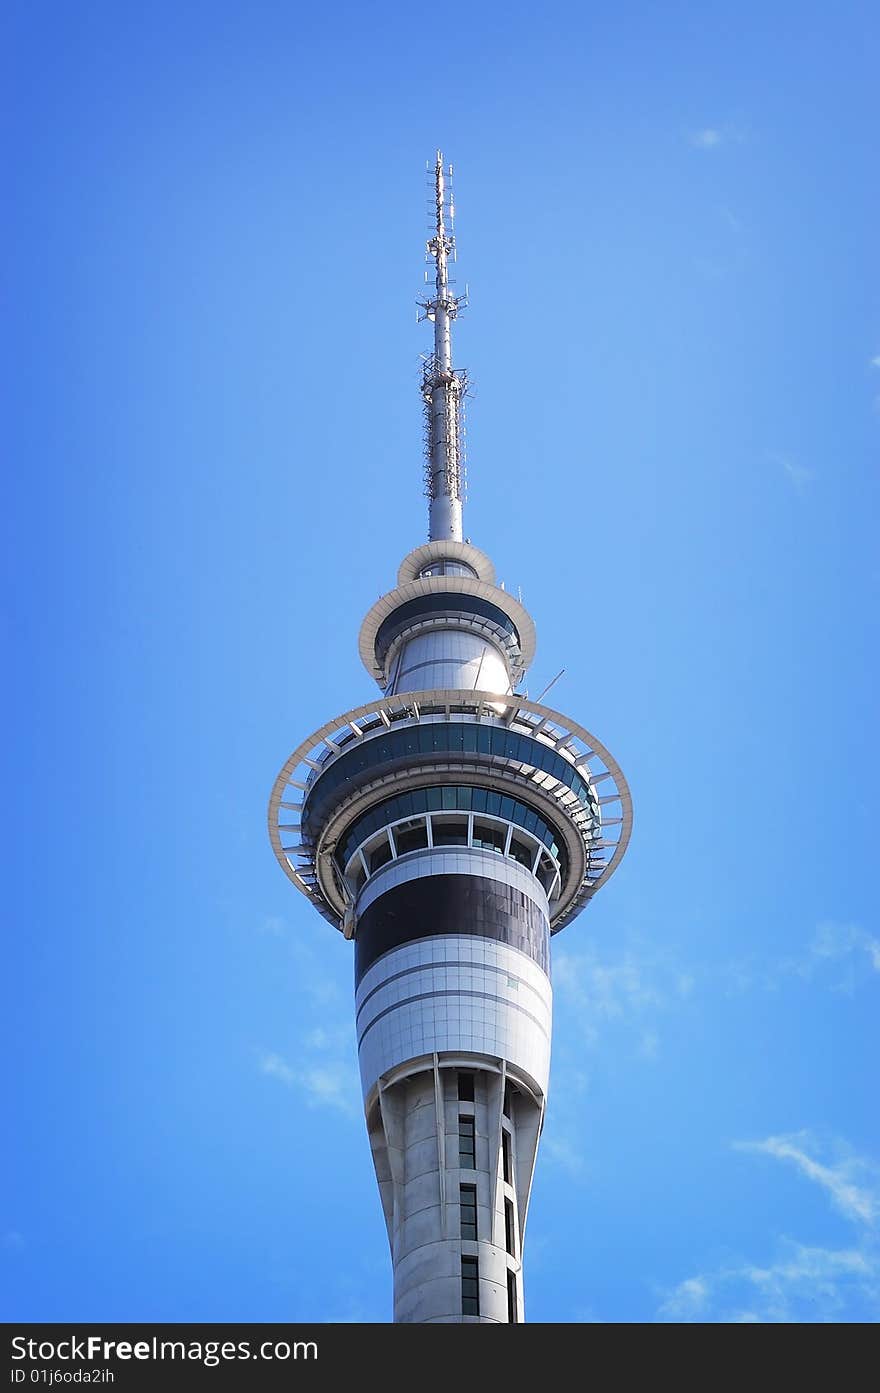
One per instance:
(450,827)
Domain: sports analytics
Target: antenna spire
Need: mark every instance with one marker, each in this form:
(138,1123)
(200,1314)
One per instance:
(443,387)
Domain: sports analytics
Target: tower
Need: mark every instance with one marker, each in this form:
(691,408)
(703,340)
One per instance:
(451,827)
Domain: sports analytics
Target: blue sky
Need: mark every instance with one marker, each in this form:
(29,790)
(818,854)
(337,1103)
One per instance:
(666,218)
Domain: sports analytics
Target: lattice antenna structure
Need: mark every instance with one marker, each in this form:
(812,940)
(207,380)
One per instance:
(443,387)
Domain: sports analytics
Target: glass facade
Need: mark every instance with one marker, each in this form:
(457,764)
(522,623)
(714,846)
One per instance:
(448,798)
(449,658)
(445,566)
(451,738)
(431,906)
(429,606)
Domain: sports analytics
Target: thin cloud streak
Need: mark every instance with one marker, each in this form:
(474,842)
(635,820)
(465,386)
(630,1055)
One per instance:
(802,1282)
(710,138)
(858,1203)
(707,139)
(798,475)
(322,1083)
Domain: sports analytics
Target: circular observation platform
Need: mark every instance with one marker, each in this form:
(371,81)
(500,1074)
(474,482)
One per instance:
(445,584)
(388,778)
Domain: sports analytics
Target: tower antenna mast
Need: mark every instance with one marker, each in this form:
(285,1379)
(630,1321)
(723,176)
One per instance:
(443,387)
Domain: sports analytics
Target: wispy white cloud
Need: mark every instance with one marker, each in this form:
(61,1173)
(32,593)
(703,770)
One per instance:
(625,990)
(278,1068)
(875,361)
(273,925)
(798,475)
(563,1152)
(834,940)
(841,955)
(323,1069)
(851,1182)
(687,1301)
(606,989)
(801,1282)
(706,139)
(713,137)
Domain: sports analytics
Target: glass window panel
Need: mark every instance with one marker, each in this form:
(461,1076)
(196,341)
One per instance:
(380,856)
(470,1287)
(468,1203)
(466,1142)
(508,1227)
(412,839)
(450,831)
(489,836)
(521,852)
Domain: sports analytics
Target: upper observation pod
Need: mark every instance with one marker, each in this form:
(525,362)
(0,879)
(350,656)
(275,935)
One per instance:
(447,624)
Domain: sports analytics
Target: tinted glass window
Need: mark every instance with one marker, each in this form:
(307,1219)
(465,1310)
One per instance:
(412,839)
(508,1227)
(436,799)
(490,838)
(449,831)
(368,753)
(470,1287)
(468,1201)
(466,1143)
(379,857)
